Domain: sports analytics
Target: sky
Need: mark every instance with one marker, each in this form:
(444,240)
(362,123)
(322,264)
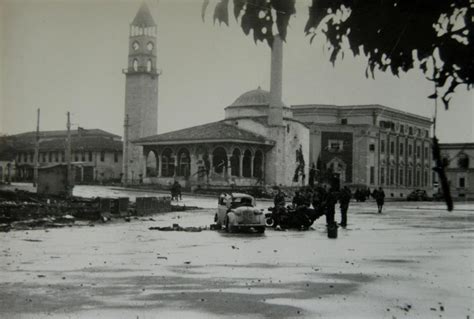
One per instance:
(68,55)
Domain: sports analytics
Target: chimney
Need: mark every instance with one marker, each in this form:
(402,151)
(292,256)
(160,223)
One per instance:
(275,116)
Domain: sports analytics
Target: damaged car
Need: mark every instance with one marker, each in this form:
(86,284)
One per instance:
(237,211)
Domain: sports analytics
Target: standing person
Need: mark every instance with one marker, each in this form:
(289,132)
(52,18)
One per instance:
(176,191)
(344,199)
(278,207)
(330,205)
(379,196)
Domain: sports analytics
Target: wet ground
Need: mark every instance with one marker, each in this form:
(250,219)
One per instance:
(413,261)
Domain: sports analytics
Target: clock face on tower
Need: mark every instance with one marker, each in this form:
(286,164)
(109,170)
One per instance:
(149,46)
(135,46)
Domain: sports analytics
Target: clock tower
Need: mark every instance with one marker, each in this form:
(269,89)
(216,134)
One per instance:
(141,92)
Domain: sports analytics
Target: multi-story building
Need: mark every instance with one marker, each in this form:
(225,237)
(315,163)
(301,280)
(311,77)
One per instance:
(459,159)
(370,146)
(7,161)
(95,154)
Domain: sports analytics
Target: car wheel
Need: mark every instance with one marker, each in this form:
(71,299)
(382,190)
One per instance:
(269,221)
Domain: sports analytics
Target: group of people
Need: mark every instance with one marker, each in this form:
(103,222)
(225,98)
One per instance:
(324,200)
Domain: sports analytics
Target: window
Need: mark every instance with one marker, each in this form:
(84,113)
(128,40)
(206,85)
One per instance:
(400,177)
(426,152)
(90,156)
(392,147)
(410,130)
(401,149)
(463,161)
(135,65)
(335,145)
(63,157)
(425,179)
(148,66)
(76,157)
(392,180)
(50,157)
(462,182)
(409,182)
(83,157)
(382,176)
(402,129)
(149,46)
(418,151)
(410,150)
(427,133)
(32,157)
(382,146)
(372,175)
(418,178)
(343,121)
(56,157)
(116,156)
(372,147)
(102,156)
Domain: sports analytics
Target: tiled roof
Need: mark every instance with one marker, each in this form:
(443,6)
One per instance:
(77,144)
(216,131)
(63,134)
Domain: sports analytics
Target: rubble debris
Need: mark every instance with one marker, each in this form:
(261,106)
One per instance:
(177,227)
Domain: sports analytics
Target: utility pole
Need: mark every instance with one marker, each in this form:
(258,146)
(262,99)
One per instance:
(126,126)
(36,156)
(68,155)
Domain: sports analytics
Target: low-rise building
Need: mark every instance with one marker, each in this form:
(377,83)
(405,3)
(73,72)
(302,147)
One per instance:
(96,154)
(370,146)
(459,158)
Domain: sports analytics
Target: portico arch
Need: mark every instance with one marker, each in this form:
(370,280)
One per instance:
(152,164)
(184,163)
(235,162)
(247,164)
(219,160)
(167,163)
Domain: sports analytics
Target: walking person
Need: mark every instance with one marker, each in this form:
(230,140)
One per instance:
(344,199)
(379,196)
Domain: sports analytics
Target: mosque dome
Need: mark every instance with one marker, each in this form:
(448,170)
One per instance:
(253,98)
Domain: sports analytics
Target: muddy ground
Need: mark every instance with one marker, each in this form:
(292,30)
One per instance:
(413,261)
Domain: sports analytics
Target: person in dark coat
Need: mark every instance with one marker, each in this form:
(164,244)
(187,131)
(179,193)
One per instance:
(176,191)
(330,205)
(278,207)
(379,196)
(344,199)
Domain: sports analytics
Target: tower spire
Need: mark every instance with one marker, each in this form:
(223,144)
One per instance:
(144,17)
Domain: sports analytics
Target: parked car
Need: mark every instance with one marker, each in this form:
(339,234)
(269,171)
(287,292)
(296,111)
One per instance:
(237,211)
(418,195)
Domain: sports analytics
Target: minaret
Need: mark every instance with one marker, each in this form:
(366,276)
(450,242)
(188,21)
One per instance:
(275,117)
(141,91)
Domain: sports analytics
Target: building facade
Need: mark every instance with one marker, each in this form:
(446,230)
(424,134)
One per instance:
(241,150)
(370,146)
(459,158)
(95,154)
(141,91)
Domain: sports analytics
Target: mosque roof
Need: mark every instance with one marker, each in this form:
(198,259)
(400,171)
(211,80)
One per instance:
(211,132)
(253,98)
(144,17)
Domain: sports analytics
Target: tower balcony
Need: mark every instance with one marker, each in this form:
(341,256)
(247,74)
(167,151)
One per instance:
(142,69)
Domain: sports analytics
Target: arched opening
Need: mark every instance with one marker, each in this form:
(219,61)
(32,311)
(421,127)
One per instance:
(184,163)
(246,165)
(235,162)
(148,66)
(258,164)
(151,164)
(167,163)
(135,65)
(219,160)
